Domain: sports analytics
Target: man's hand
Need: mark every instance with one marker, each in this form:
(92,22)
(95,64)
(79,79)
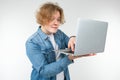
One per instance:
(72,57)
(71,43)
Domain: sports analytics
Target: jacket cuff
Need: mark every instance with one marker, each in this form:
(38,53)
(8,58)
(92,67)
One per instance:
(65,62)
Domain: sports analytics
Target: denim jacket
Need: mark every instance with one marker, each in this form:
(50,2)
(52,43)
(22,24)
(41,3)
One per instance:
(40,53)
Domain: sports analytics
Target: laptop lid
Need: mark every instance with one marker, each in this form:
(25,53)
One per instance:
(90,37)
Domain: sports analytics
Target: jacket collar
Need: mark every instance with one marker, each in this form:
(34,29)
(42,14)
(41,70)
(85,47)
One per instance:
(42,34)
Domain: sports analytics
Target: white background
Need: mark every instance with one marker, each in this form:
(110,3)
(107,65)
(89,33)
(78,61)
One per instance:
(17,23)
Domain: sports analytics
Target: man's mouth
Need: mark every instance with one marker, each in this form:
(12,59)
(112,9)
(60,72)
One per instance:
(55,27)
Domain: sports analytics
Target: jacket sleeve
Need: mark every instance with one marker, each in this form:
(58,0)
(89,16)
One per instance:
(39,61)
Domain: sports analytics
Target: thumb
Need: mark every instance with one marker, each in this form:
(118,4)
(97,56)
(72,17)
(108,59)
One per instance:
(69,46)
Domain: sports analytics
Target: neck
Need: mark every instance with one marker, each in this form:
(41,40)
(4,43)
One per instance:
(45,31)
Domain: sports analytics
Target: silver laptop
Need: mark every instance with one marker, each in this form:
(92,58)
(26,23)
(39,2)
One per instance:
(90,37)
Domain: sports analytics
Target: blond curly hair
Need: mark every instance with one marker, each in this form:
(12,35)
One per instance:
(46,11)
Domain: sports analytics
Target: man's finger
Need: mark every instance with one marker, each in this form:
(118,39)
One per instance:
(69,46)
(72,47)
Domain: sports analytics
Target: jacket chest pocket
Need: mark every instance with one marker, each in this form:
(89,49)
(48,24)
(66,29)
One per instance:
(49,55)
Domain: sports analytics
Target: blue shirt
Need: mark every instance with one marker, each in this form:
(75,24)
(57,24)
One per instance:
(40,52)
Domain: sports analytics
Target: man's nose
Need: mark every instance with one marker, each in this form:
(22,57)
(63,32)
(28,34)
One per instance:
(57,21)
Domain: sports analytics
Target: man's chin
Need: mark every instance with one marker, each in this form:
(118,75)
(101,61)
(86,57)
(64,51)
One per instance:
(54,31)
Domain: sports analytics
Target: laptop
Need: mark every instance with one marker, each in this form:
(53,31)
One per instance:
(90,37)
